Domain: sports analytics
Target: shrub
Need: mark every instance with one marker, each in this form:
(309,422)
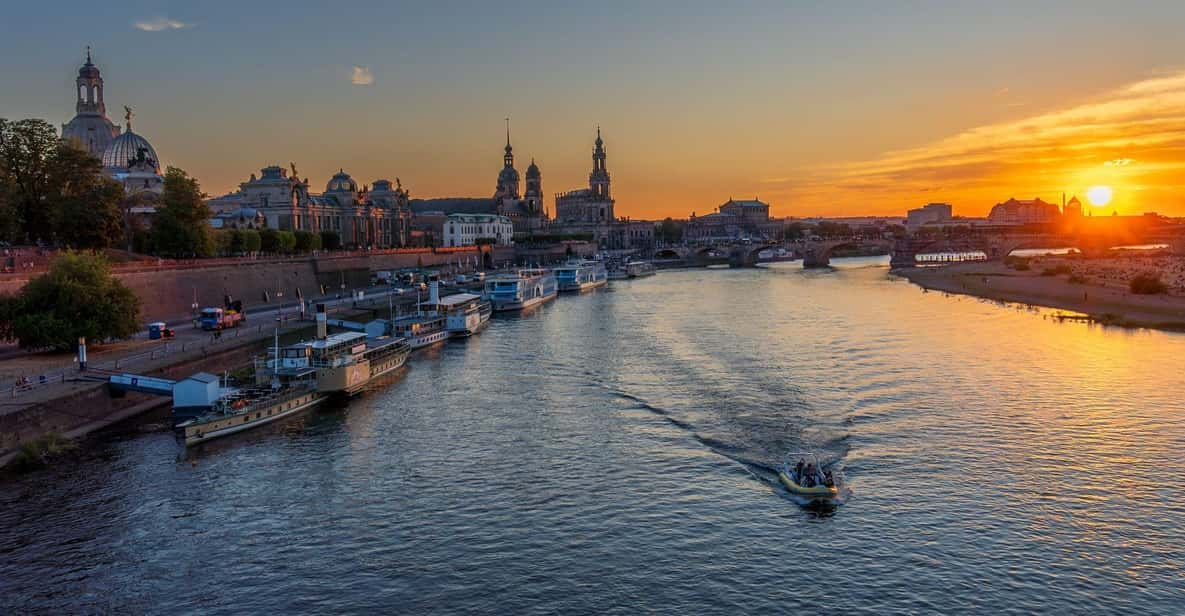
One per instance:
(1076,279)
(1019,264)
(330,240)
(1147,284)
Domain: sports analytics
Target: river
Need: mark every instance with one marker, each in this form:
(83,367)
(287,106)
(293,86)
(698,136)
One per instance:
(614,453)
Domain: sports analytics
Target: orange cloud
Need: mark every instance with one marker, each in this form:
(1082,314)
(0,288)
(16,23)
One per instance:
(1096,142)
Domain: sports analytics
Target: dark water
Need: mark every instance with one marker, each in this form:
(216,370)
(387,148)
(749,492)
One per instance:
(611,453)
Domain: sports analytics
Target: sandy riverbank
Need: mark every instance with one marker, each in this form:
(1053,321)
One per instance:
(1102,299)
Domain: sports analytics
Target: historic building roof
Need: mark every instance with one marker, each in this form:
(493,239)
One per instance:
(341,182)
(126,148)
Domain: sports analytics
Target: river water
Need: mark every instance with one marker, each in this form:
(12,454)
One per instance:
(613,453)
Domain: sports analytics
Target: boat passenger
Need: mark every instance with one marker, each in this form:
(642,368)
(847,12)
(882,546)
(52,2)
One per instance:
(798,468)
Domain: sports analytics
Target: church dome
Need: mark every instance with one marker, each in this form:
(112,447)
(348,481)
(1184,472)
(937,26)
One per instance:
(533,170)
(341,182)
(508,175)
(126,148)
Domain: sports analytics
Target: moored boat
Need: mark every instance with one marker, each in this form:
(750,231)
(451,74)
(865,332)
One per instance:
(289,380)
(465,313)
(580,276)
(520,290)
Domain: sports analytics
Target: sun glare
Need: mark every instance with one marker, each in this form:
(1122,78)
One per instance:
(1099,195)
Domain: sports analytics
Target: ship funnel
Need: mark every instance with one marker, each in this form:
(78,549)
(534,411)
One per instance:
(322,333)
(434,292)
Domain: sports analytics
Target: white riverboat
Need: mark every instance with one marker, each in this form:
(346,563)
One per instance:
(520,290)
(465,313)
(632,269)
(422,329)
(581,276)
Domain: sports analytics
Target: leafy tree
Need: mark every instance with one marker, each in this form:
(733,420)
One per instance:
(86,207)
(27,152)
(224,242)
(78,297)
(269,240)
(307,241)
(251,241)
(182,227)
(795,231)
(285,242)
(669,231)
(52,190)
(330,240)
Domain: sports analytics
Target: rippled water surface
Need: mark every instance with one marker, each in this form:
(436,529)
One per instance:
(613,453)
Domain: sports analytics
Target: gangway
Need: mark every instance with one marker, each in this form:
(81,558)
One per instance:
(140,383)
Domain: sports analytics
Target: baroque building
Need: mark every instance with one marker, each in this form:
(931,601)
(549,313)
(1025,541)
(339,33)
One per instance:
(526,212)
(590,211)
(127,157)
(366,217)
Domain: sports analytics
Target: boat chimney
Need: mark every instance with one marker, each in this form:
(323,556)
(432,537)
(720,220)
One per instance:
(434,292)
(322,333)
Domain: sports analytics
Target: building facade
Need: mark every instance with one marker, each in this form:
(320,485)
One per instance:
(467,229)
(1017,212)
(366,217)
(733,220)
(929,214)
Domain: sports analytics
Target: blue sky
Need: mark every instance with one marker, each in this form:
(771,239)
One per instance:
(699,101)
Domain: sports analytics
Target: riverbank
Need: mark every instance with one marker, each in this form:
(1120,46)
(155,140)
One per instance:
(1105,303)
(81,404)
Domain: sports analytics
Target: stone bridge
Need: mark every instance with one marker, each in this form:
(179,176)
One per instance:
(903,251)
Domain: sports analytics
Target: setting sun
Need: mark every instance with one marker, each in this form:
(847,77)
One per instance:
(1099,195)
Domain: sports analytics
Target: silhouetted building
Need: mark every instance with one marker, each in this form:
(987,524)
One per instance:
(1015,212)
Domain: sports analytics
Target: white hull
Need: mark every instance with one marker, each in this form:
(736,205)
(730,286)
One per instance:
(584,286)
(523,305)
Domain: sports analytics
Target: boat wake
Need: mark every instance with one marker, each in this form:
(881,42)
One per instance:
(762,460)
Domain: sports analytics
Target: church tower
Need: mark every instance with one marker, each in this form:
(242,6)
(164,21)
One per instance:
(90,129)
(598,180)
(534,193)
(508,177)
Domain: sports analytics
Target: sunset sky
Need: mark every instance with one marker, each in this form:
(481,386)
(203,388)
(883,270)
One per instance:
(843,108)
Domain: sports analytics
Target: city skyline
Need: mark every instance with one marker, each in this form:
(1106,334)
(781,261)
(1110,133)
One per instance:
(816,110)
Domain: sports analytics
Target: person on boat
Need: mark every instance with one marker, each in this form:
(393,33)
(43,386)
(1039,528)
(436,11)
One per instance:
(808,476)
(828,479)
(798,468)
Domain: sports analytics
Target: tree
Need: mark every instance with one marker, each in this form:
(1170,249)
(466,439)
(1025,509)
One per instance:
(285,242)
(330,240)
(85,205)
(224,242)
(78,297)
(269,240)
(251,241)
(182,227)
(307,241)
(52,190)
(670,231)
(795,231)
(27,152)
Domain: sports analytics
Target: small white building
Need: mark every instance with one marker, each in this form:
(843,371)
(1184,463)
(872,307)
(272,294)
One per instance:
(466,229)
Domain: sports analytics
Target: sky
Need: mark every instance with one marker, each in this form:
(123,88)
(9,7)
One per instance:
(818,108)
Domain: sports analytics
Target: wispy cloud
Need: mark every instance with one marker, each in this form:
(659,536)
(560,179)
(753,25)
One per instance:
(158,24)
(1120,162)
(362,76)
